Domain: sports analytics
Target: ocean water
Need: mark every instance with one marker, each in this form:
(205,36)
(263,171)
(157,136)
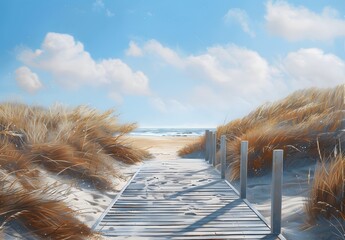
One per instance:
(173,132)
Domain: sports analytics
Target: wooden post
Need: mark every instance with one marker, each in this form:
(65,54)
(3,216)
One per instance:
(277,180)
(222,156)
(243,168)
(212,148)
(207,145)
(209,142)
(214,153)
(341,135)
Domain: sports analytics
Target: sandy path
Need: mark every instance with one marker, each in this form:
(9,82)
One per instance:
(93,203)
(163,148)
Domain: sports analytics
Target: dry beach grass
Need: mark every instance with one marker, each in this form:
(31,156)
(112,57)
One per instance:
(76,145)
(327,195)
(308,125)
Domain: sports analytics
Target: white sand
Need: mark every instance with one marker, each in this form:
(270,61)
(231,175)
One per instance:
(163,148)
(296,187)
(91,203)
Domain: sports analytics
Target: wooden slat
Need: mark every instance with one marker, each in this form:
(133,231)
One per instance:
(191,233)
(182,199)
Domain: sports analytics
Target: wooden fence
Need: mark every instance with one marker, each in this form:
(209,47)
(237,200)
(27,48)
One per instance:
(277,173)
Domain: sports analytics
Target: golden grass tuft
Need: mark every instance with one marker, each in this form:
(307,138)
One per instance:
(197,146)
(327,194)
(63,159)
(18,164)
(72,144)
(39,215)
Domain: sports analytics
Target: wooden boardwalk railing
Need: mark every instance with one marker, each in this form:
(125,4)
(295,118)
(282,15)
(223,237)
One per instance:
(181,199)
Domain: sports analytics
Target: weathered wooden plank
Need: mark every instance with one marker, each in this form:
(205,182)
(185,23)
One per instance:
(193,233)
(184,221)
(219,200)
(216,224)
(225,191)
(179,186)
(178,227)
(201,230)
(266,237)
(180,208)
(153,209)
(191,217)
(183,208)
(164,216)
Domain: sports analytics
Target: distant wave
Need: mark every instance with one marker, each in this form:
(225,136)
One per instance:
(173,132)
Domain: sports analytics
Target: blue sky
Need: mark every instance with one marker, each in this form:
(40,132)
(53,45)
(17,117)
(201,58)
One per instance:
(169,63)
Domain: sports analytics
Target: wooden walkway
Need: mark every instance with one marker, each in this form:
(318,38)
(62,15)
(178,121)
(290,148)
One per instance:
(181,199)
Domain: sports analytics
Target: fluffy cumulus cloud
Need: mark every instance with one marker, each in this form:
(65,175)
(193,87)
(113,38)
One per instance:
(221,74)
(72,66)
(227,64)
(313,67)
(28,80)
(223,65)
(299,23)
(168,55)
(240,17)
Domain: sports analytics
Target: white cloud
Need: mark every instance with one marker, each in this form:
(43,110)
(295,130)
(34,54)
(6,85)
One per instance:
(28,80)
(109,13)
(168,55)
(169,105)
(98,4)
(227,65)
(224,65)
(298,23)
(72,66)
(134,50)
(312,67)
(241,17)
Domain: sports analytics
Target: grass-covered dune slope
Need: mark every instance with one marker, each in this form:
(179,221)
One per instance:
(307,124)
(77,144)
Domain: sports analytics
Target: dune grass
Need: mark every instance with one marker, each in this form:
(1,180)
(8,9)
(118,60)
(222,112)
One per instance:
(197,146)
(327,194)
(77,145)
(38,212)
(307,124)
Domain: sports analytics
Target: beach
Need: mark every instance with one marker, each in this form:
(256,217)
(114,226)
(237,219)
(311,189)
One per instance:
(93,93)
(162,147)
